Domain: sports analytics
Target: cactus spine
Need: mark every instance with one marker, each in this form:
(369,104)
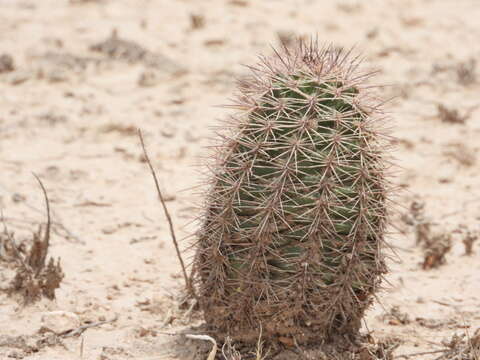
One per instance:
(294,223)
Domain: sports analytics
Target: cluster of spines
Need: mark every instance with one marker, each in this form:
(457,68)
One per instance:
(295,218)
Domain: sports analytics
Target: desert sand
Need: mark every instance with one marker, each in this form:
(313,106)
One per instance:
(70,106)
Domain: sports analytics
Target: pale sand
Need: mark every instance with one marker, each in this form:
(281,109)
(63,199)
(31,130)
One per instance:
(76,130)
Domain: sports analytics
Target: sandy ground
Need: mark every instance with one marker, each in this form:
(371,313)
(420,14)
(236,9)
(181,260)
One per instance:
(69,113)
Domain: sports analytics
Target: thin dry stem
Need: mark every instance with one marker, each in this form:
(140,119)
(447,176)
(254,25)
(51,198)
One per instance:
(188,283)
(46,236)
(81,329)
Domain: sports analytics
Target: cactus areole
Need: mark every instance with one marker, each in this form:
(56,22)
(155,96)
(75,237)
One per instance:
(292,237)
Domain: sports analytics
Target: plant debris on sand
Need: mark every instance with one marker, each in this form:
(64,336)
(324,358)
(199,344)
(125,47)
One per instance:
(35,277)
(366,348)
(462,347)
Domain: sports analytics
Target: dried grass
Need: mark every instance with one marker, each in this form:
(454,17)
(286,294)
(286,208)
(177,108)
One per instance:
(34,277)
(435,250)
(462,347)
(453,116)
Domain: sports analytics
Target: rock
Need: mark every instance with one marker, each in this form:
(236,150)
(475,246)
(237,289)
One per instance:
(60,321)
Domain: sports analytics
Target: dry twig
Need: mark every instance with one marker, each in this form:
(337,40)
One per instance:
(81,329)
(57,226)
(213,352)
(188,282)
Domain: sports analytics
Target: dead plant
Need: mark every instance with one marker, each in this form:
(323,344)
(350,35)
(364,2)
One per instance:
(464,155)
(453,116)
(197,21)
(395,316)
(436,249)
(465,71)
(420,223)
(462,347)
(35,277)
(379,349)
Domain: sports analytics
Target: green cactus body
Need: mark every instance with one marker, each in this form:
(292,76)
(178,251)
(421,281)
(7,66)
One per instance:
(292,237)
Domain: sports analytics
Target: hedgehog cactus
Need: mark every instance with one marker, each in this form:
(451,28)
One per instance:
(291,244)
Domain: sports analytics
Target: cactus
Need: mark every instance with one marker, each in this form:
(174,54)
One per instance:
(292,237)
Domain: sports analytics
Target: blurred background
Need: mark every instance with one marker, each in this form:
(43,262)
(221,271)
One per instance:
(78,77)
